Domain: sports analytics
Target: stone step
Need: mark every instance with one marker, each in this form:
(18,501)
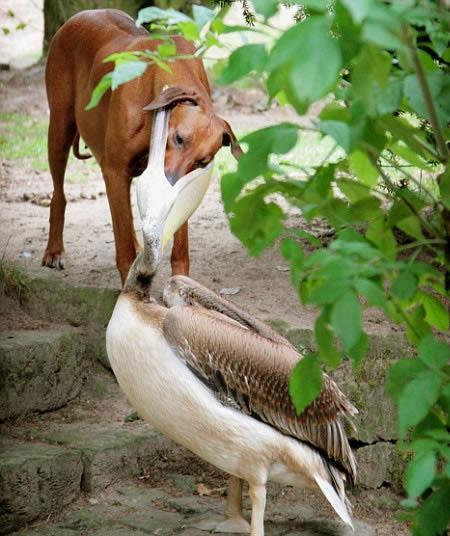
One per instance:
(110,452)
(40,477)
(35,480)
(40,370)
(135,508)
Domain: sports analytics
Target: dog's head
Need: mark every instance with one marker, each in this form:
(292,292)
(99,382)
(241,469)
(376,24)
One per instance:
(196,133)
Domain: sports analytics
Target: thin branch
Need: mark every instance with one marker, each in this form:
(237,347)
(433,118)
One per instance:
(392,187)
(427,97)
(410,177)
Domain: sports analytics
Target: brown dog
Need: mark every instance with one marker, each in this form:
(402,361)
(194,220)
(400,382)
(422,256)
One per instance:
(117,131)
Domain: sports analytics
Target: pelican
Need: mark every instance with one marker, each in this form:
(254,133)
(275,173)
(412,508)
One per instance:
(213,378)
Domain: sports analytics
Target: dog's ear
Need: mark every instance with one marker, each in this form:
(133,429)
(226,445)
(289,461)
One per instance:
(229,139)
(171,97)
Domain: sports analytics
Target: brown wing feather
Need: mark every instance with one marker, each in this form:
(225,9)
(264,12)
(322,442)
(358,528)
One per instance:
(254,372)
(190,292)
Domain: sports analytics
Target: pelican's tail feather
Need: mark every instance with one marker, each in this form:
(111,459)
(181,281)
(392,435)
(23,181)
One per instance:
(336,495)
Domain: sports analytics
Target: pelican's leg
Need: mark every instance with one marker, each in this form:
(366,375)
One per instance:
(234,521)
(258,497)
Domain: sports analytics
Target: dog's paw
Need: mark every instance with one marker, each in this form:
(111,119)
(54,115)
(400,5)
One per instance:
(54,260)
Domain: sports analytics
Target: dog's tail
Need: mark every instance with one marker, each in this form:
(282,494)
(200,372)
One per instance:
(76,148)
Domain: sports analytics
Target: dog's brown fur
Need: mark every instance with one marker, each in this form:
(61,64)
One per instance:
(117,131)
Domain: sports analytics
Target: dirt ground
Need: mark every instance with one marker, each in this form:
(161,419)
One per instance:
(218,259)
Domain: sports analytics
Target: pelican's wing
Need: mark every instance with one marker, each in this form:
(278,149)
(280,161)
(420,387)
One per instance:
(253,372)
(181,289)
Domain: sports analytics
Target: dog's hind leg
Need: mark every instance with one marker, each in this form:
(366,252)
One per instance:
(61,133)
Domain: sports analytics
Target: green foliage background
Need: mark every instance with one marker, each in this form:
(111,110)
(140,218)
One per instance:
(383,69)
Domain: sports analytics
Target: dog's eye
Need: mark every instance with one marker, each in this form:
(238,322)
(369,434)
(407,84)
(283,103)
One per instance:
(203,163)
(179,140)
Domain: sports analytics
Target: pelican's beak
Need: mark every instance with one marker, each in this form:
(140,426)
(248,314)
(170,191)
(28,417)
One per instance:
(164,208)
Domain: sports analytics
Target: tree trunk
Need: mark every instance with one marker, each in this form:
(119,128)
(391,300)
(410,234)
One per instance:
(56,12)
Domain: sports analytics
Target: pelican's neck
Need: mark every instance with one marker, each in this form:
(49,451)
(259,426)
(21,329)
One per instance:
(141,274)
(158,140)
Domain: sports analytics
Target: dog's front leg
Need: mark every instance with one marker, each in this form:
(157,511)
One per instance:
(118,191)
(180,251)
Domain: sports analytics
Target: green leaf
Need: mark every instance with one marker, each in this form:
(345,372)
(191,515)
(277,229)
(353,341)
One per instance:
(402,129)
(359,350)
(202,15)
(387,99)
(401,373)
(359,9)
(417,399)
(444,187)
(373,293)
(420,473)
(125,72)
(416,327)
(311,74)
(313,240)
(291,250)
(439,85)
(436,354)
(266,8)
(189,30)
(370,75)
(381,235)
(122,57)
(242,61)
(362,167)
(256,223)
(159,62)
(435,312)
(353,190)
(325,340)
(338,130)
(167,49)
(316,5)
(278,139)
(346,319)
(366,210)
(100,89)
(305,382)
(412,227)
(409,155)
(434,513)
(404,286)
(379,34)
(154,14)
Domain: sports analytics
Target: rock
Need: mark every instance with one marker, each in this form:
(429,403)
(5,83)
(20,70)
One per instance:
(380,463)
(109,452)
(39,370)
(328,527)
(185,483)
(232,291)
(35,480)
(86,307)
(79,306)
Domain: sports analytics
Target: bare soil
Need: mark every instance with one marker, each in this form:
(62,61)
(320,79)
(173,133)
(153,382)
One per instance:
(218,259)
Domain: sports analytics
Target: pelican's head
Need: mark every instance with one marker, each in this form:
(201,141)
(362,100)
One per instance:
(163,206)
